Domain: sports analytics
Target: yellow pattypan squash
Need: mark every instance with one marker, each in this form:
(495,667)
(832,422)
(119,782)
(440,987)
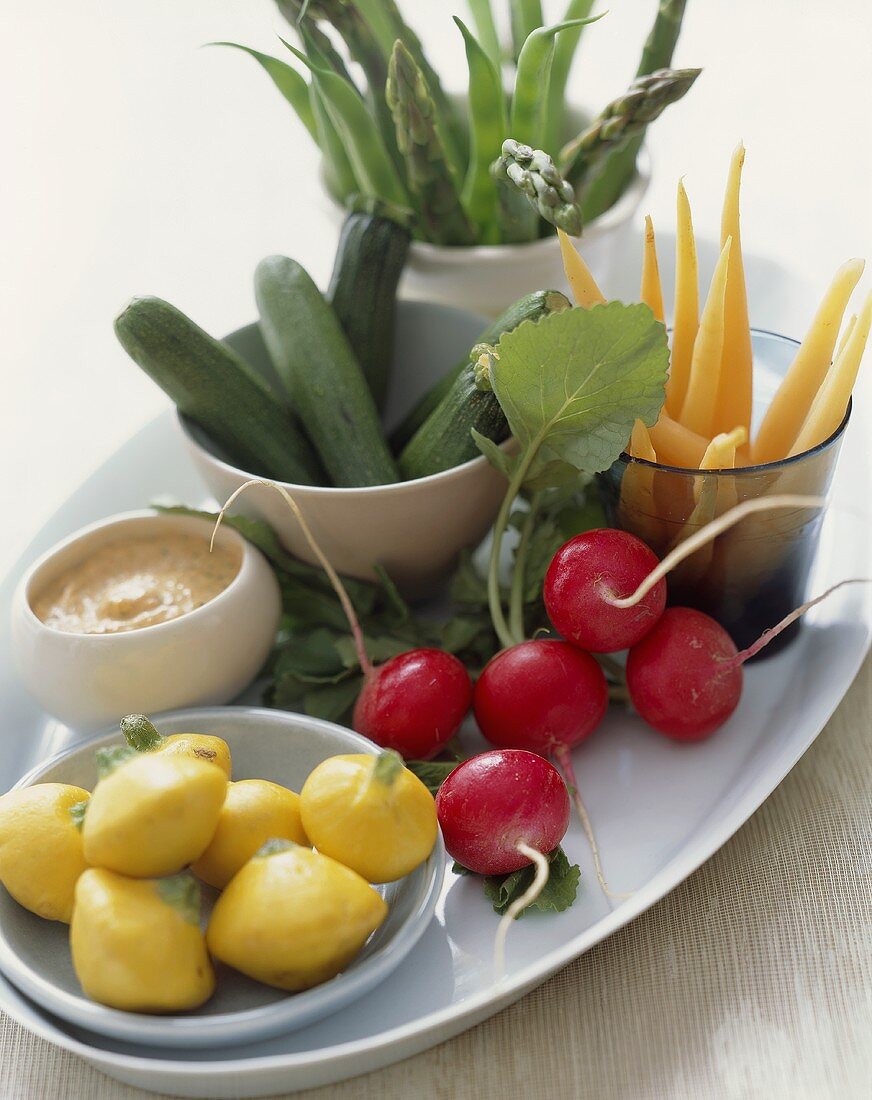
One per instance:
(370,813)
(293,918)
(137,943)
(41,847)
(254,811)
(153,815)
(142,736)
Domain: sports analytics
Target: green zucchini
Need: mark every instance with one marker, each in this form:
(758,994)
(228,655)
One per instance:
(529,308)
(369,261)
(215,387)
(444,440)
(321,375)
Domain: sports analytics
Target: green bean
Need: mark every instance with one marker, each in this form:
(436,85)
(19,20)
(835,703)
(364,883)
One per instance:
(564,52)
(488,125)
(525,17)
(288,81)
(486,30)
(373,167)
(338,173)
(531,81)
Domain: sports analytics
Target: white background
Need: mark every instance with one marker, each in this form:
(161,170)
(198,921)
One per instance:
(135,162)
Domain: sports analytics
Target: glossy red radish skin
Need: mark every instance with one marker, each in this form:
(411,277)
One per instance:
(540,695)
(589,570)
(414,703)
(685,675)
(493,802)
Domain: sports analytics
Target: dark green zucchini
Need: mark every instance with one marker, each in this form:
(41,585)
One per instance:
(321,375)
(444,440)
(215,387)
(529,308)
(369,261)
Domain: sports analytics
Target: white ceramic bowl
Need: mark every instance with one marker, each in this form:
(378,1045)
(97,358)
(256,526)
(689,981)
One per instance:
(415,529)
(206,656)
(35,953)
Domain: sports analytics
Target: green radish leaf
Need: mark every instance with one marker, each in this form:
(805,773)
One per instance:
(432,773)
(378,649)
(559,892)
(572,384)
(333,701)
(468,586)
(292,86)
(494,453)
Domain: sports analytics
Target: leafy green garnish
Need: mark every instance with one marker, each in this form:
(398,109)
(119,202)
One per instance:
(432,773)
(558,894)
(572,384)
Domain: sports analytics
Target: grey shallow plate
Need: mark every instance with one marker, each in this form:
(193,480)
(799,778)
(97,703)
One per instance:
(35,955)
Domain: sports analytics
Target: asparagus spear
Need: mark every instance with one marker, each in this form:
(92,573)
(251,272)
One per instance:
(529,186)
(434,187)
(362,48)
(620,166)
(624,118)
(384,19)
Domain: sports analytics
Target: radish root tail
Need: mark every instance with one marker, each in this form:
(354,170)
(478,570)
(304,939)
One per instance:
(564,759)
(768,635)
(519,905)
(711,531)
(333,576)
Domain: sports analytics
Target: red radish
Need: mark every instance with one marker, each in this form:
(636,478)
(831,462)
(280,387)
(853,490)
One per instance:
(491,802)
(414,703)
(543,695)
(499,812)
(682,676)
(584,578)
(685,676)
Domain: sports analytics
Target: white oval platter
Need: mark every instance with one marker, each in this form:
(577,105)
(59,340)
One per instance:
(659,809)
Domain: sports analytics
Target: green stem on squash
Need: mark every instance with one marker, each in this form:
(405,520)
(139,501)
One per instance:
(516,596)
(498,617)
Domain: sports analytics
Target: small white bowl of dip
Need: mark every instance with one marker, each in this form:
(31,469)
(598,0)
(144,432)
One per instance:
(133,614)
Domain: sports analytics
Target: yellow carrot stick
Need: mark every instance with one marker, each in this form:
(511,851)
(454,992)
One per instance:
(676,445)
(846,335)
(735,386)
(828,408)
(721,452)
(791,404)
(581,282)
(652,292)
(686,318)
(698,410)
(640,443)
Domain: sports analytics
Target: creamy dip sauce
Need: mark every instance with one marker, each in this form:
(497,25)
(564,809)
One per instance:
(136,582)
